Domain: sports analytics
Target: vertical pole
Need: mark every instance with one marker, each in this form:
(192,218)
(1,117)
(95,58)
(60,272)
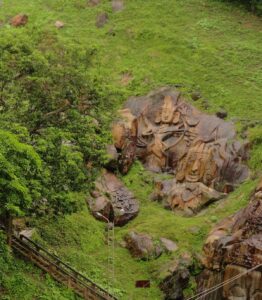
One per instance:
(9,229)
(108,255)
(113,254)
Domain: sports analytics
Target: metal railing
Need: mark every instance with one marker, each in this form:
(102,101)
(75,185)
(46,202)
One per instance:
(59,270)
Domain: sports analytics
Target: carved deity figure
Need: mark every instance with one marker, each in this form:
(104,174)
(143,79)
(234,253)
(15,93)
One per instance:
(169,135)
(199,164)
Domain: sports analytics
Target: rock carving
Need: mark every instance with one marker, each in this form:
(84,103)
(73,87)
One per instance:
(233,247)
(169,135)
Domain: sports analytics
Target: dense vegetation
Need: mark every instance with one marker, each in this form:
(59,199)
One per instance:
(48,101)
(58,91)
(254,5)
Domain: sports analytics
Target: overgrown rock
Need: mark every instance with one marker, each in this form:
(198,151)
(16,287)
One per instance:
(112,154)
(93,2)
(117,5)
(142,246)
(112,200)
(196,96)
(101,20)
(59,24)
(19,20)
(175,277)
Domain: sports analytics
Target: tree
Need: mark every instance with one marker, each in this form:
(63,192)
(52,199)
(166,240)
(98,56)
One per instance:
(20,168)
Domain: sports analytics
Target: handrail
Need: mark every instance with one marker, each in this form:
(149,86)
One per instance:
(37,250)
(86,282)
(75,273)
(58,267)
(38,247)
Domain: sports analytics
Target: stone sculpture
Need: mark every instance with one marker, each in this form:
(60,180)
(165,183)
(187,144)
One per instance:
(169,135)
(233,247)
(112,200)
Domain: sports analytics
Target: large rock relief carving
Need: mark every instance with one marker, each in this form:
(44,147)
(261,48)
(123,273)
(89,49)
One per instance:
(169,135)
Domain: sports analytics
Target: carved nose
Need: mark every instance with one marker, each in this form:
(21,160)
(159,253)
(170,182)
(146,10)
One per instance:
(195,166)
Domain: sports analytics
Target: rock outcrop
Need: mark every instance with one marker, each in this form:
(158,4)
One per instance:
(176,277)
(232,248)
(112,200)
(169,135)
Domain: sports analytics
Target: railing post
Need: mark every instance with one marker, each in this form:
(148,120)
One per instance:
(86,293)
(9,229)
(69,283)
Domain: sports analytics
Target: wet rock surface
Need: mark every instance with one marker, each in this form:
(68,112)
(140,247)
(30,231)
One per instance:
(112,200)
(169,135)
(142,246)
(233,247)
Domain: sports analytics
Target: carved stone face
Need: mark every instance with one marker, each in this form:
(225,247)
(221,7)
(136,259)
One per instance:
(199,165)
(168,109)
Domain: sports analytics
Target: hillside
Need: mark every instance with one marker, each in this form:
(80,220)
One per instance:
(209,47)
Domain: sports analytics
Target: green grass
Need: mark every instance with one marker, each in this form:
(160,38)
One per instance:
(204,45)
(81,240)
(22,281)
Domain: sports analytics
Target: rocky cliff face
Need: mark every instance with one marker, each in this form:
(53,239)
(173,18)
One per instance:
(231,249)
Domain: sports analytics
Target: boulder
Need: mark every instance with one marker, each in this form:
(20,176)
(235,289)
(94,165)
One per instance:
(189,197)
(233,247)
(222,114)
(112,154)
(59,24)
(117,5)
(101,20)
(196,96)
(19,20)
(175,277)
(168,245)
(28,232)
(93,2)
(112,200)
(142,246)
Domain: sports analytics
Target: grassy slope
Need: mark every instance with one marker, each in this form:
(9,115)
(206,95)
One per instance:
(25,282)
(202,44)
